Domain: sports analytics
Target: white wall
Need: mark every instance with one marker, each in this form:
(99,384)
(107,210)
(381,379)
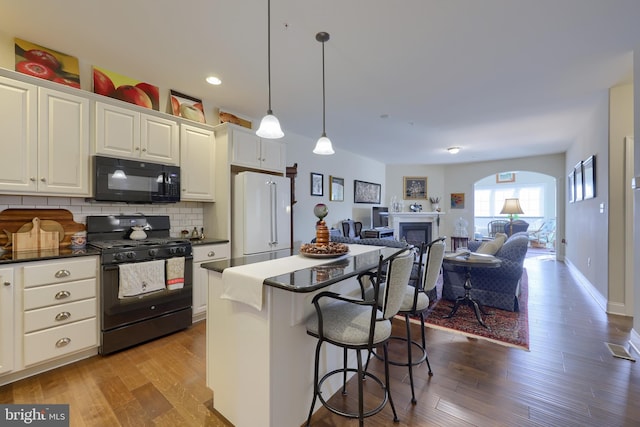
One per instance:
(342,164)
(620,298)
(586,227)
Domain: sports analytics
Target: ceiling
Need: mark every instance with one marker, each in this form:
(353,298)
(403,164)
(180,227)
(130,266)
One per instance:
(404,79)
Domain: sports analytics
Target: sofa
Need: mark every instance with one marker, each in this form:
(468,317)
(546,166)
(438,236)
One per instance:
(494,287)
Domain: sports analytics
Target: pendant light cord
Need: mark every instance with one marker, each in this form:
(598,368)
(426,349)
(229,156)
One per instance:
(269,52)
(323,95)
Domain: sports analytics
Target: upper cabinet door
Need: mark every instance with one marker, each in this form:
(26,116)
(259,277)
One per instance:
(117,131)
(246,148)
(19,130)
(273,155)
(197,168)
(159,140)
(63,143)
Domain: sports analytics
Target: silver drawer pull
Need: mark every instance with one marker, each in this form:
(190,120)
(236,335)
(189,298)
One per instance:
(63,341)
(63,316)
(62,273)
(63,295)
(211,254)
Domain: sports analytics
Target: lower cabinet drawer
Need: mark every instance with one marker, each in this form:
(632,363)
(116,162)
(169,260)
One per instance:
(59,293)
(58,315)
(59,341)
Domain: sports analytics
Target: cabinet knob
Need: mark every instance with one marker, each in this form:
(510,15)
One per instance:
(62,295)
(7,283)
(64,315)
(63,341)
(43,179)
(33,178)
(211,254)
(144,150)
(62,273)
(137,148)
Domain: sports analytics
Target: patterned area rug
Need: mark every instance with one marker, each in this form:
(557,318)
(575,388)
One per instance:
(504,327)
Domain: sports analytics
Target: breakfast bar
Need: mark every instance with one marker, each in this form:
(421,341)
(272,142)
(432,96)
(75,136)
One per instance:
(259,356)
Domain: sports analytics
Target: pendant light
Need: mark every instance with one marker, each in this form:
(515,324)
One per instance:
(323,146)
(269,126)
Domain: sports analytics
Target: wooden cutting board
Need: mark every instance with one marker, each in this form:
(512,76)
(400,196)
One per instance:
(13,219)
(35,239)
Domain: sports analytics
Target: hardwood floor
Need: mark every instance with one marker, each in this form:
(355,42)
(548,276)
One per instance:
(567,379)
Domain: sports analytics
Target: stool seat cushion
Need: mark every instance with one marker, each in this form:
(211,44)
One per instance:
(349,324)
(407,300)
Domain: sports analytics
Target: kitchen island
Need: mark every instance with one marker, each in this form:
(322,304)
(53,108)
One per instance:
(260,358)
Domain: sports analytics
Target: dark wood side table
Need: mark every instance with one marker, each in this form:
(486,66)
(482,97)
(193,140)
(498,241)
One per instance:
(378,233)
(459,242)
(468,262)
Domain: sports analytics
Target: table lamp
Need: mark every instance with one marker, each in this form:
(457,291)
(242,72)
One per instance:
(511,207)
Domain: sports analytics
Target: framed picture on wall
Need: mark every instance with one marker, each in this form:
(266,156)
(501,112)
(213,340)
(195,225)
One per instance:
(366,192)
(317,184)
(589,176)
(336,189)
(505,177)
(571,186)
(579,195)
(457,200)
(415,187)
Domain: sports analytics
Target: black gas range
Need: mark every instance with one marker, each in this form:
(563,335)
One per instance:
(131,320)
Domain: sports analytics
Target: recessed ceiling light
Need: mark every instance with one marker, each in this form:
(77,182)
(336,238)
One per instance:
(453,150)
(213,80)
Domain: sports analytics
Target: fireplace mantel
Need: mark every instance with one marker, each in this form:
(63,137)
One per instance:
(395,218)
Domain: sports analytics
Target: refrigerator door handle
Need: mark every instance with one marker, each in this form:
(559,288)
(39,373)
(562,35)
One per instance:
(273,198)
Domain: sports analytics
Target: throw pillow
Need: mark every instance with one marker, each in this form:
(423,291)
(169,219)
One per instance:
(493,246)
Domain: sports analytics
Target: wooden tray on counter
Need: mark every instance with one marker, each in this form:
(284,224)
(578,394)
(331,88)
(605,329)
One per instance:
(14,219)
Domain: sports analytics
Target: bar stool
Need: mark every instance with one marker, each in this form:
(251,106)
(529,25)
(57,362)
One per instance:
(357,324)
(416,300)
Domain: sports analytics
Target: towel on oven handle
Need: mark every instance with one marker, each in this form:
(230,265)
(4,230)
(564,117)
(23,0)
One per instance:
(175,273)
(140,278)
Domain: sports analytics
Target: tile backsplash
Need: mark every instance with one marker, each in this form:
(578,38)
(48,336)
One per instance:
(183,215)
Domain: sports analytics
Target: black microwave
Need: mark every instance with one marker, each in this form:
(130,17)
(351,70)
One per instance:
(133,181)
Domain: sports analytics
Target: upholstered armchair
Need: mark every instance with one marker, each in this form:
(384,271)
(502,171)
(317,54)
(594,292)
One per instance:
(493,287)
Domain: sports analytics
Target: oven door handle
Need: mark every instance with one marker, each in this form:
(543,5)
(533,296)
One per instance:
(109,267)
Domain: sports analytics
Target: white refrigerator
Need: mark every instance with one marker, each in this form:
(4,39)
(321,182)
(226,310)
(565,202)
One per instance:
(261,217)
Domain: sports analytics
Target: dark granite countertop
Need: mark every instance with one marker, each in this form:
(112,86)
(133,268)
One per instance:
(10,257)
(314,278)
(208,241)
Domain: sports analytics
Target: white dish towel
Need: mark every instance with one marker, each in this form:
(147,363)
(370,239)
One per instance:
(140,278)
(175,273)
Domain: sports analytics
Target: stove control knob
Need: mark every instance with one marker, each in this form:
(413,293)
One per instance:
(118,256)
(153,252)
(182,249)
(131,255)
(173,251)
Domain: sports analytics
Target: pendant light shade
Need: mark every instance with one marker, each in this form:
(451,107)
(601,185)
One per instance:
(270,125)
(323,146)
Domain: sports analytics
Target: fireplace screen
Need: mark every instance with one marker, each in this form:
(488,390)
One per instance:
(415,233)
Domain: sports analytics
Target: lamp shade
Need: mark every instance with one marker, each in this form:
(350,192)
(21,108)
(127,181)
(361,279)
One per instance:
(512,207)
(270,127)
(323,146)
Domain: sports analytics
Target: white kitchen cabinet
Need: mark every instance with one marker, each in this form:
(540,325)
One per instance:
(249,150)
(125,133)
(60,308)
(45,140)
(197,168)
(201,254)
(7,326)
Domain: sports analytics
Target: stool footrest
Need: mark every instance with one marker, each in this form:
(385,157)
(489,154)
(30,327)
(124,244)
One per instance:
(340,412)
